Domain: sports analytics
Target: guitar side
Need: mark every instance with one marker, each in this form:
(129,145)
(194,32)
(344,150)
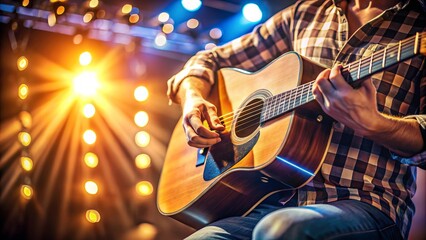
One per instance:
(298,138)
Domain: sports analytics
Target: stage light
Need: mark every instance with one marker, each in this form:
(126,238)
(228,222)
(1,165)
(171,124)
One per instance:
(91,160)
(91,187)
(25,3)
(88,16)
(93,3)
(209,46)
(215,33)
(24,138)
(51,20)
(191,5)
(167,28)
(85,58)
(89,110)
(144,188)
(252,12)
(27,191)
(160,39)
(142,161)
(89,137)
(86,83)
(26,119)
(22,63)
(93,216)
(27,163)
(163,17)
(23,91)
(141,94)
(141,118)
(192,23)
(126,9)
(142,139)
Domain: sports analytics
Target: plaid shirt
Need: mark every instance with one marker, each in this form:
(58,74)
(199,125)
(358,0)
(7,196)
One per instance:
(354,167)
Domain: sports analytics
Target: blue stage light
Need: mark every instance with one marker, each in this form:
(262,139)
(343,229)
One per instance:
(191,5)
(252,12)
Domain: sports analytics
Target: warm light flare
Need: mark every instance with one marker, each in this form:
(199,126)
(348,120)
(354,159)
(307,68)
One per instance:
(141,118)
(86,84)
(127,8)
(143,161)
(163,17)
(22,63)
(89,137)
(26,119)
(160,39)
(89,110)
(24,138)
(85,58)
(91,187)
(93,3)
(141,93)
(142,139)
(91,160)
(144,188)
(23,91)
(27,191)
(93,216)
(27,163)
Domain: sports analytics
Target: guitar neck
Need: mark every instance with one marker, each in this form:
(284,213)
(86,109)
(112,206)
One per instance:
(354,73)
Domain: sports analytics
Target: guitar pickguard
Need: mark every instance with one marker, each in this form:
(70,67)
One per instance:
(224,155)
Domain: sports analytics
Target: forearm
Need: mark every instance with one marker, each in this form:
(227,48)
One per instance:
(400,135)
(192,87)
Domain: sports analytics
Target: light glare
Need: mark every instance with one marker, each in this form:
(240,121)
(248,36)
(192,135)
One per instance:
(252,12)
(89,137)
(85,58)
(27,191)
(191,5)
(89,110)
(141,93)
(27,164)
(144,188)
(86,84)
(143,161)
(91,187)
(91,160)
(93,216)
(142,139)
(141,118)
(22,63)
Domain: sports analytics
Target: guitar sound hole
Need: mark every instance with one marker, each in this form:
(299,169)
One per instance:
(249,118)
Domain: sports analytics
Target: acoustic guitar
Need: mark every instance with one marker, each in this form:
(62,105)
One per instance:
(276,137)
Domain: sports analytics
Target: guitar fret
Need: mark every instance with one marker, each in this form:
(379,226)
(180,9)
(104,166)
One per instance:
(399,51)
(359,69)
(384,58)
(371,63)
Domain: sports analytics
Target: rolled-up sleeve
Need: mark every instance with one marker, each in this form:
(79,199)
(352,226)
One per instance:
(420,158)
(249,52)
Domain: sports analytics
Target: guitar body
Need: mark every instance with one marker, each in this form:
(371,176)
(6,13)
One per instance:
(199,186)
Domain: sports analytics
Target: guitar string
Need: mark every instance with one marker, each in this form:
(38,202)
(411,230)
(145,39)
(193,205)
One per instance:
(284,102)
(300,93)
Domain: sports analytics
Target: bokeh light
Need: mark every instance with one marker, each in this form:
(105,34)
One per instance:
(91,160)
(23,91)
(144,188)
(27,191)
(24,138)
(89,137)
(141,118)
(141,93)
(93,216)
(143,161)
(22,63)
(89,110)
(85,58)
(27,163)
(91,187)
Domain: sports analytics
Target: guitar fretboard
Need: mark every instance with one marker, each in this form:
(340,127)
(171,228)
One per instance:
(354,72)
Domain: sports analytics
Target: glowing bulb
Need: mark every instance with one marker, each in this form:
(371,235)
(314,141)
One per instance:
(24,138)
(191,5)
(89,137)
(93,3)
(27,191)
(163,17)
(144,188)
(142,139)
(93,216)
(22,63)
(26,119)
(85,58)
(27,164)
(141,93)
(252,12)
(86,84)
(127,8)
(160,40)
(142,161)
(23,91)
(91,187)
(89,110)
(134,18)
(192,23)
(91,160)
(141,118)
(168,28)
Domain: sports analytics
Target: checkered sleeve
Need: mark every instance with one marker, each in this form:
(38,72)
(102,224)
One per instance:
(420,158)
(249,52)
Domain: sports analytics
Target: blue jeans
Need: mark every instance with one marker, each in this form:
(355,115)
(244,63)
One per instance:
(346,219)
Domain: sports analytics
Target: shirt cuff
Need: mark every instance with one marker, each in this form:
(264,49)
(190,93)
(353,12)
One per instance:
(420,158)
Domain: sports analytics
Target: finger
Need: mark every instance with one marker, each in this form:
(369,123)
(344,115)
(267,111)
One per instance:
(195,122)
(337,80)
(323,84)
(212,118)
(194,140)
(369,87)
